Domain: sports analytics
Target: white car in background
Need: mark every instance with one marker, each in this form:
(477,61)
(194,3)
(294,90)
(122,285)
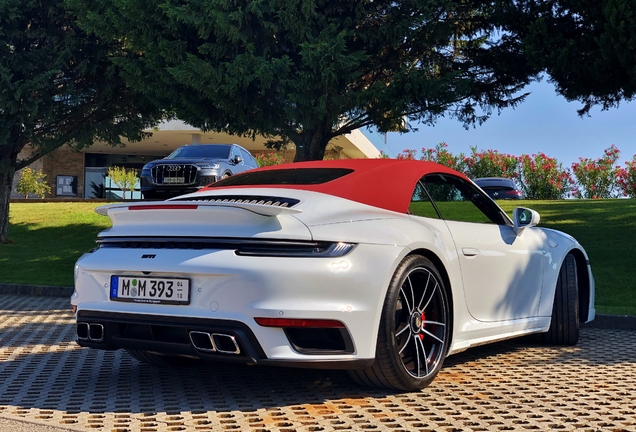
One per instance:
(329,264)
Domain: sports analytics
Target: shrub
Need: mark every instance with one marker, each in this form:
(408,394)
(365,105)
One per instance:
(441,155)
(32,182)
(490,163)
(597,178)
(268,159)
(543,177)
(626,178)
(123,178)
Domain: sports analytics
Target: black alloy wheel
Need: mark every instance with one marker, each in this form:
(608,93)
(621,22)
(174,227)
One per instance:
(414,329)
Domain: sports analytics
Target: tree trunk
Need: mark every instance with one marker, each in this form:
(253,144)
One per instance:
(7,171)
(311,144)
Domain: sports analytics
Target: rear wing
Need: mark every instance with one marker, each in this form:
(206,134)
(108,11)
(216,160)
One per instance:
(260,209)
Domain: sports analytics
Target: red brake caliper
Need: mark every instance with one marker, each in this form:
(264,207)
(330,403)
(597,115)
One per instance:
(421,335)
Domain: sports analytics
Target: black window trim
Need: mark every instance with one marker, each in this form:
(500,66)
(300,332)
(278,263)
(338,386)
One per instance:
(492,205)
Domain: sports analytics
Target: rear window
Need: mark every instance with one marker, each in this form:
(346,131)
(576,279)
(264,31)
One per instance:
(294,176)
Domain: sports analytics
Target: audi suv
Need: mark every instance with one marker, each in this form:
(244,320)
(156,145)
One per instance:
(191,167)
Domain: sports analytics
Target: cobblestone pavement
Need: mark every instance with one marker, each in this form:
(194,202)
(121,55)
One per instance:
(47,379)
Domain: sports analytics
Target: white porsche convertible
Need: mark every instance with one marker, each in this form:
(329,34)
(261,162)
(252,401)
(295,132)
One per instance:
(383,267)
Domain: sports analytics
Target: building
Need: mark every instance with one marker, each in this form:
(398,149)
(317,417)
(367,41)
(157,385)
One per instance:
(83,174)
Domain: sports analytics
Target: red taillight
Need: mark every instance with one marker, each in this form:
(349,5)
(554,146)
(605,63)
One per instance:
(164,207)
(513,192)
(294,322)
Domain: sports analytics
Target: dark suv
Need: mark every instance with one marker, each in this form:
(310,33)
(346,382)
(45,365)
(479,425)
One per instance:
(190,167)
(499,188)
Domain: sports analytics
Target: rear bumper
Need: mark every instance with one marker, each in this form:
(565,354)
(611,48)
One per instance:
(166,335)
(178,336)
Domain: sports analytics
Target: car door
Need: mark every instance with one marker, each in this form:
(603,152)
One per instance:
(501,271)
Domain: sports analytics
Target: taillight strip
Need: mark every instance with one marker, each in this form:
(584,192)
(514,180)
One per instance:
(298,322)
(164,207)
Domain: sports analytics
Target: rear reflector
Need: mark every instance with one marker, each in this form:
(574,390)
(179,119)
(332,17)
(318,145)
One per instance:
(305,323)
(164,207)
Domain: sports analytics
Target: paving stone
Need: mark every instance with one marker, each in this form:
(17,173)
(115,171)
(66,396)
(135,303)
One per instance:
(517,385)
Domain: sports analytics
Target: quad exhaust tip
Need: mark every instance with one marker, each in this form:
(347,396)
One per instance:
(215,342)
(93,332)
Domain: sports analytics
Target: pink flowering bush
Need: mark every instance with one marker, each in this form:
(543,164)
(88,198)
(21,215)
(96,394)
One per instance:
(441,155)
(597,178)
(267,159)
(543,177)
(626,178)
(540,176)
(490,163)
(407,154)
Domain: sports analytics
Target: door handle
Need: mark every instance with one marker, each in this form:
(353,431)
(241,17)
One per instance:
(470,251)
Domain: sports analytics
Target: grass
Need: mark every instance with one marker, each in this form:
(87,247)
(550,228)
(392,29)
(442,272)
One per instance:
(49,237)
(607,231)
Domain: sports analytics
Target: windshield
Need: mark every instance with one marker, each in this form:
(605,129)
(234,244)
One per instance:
(296,176)
(201,151)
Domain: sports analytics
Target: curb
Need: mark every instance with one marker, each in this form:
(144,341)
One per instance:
(605,322)
(613,322)
(36,290)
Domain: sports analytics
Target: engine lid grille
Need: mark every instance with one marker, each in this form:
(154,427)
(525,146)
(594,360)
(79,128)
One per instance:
(244,199)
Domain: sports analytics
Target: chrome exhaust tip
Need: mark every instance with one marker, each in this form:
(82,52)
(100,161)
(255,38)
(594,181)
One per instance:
(93,332)
(226,344)
(202,341)
(96,332)
(83,331)
(214,342)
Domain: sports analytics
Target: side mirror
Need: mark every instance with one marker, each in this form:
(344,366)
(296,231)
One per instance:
(238,160)
(523,218)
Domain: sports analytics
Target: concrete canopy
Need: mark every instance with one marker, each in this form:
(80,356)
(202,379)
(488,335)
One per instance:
(172,134)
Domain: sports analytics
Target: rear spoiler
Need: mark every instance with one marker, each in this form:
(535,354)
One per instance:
(260,209)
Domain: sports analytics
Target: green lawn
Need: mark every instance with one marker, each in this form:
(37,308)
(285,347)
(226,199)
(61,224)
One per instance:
(49,237)
(607,231)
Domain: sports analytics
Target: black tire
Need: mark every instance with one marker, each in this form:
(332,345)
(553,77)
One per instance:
(564,327)
(226,175)
(161,360)
(414,331)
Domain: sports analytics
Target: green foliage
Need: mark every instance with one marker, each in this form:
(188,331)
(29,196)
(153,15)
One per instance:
(309,71)
(268,159)
(33,182)
(597,178)
(58,86)
(123,178)
(588,47)
(543,177)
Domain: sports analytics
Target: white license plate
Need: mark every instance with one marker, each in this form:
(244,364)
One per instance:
(173,180)
(150,290)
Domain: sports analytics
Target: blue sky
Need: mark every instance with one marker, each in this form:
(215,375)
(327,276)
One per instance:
(544,122)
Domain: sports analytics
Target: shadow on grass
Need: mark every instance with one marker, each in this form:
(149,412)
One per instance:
(45,255)
(606,229)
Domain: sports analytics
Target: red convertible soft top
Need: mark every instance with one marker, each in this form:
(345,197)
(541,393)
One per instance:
(383,183)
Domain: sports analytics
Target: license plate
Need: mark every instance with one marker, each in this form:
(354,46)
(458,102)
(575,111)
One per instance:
(173,180)
(153,290)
